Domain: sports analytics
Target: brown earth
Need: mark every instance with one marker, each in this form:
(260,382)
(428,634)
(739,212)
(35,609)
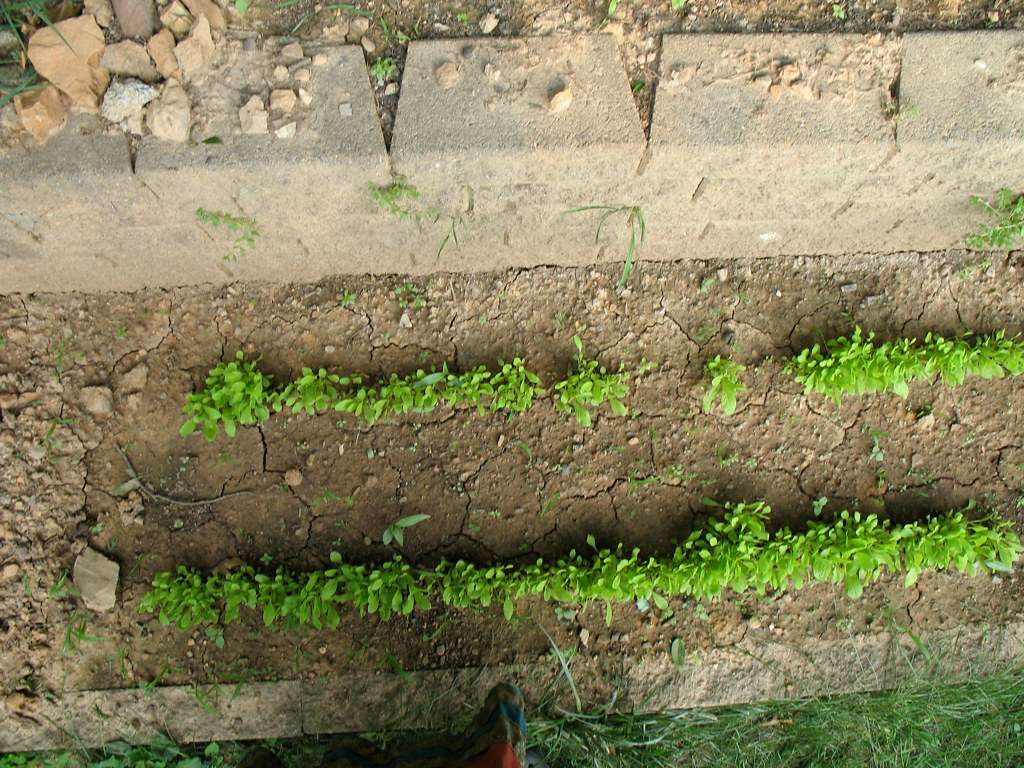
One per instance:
(495,488)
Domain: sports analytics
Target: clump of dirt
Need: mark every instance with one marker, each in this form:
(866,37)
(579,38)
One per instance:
(84,378)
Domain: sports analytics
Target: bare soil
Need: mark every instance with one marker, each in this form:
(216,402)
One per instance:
(495,488)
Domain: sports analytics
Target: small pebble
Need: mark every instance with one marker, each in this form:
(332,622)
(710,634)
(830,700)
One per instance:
(447,75)
(488,23)
(345,109)
(560,101)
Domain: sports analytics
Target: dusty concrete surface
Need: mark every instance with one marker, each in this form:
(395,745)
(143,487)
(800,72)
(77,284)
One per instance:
(753,670)
(769,144)
(960,130)
(761,145)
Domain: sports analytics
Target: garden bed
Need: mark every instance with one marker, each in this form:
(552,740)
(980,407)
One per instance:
(83,378)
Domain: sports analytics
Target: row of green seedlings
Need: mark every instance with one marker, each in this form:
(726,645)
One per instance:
(858,365)
(737,552)
(237,392)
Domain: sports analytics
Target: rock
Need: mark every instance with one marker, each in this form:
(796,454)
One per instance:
(42,112)
(129,59)
(280,73)
(161,50)
(404,321)
(125,98)
(101,10)
(345,110)
(368,45)
(391,89)
(320,60)
(488,23)
(253,117)
(228,564)
(585,637)
(305,97)
(302,75)
(358,27)
(10,572)
(195,53)
(170,117)
(292,53)
(447,75)
(213,13)
(559,102)
(135,380)
(282,100)
(136,17)
(10,44)
(97,400)
(926,423)
(848,288)
(177,20)
(338,31)
(286,131)
(68,55)
(96,579)
(293,478)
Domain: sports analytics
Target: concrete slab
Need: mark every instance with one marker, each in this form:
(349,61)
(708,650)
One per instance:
(501,137)
(307,194)
(960,131)
(62,199)
(104,229)
(766,144)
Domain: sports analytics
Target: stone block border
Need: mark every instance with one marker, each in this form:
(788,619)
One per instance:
(760,145)
(761,666)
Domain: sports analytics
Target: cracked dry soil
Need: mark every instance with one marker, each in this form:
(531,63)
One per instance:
(82,375)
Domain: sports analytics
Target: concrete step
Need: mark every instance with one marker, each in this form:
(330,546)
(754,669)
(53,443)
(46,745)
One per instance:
(760,145)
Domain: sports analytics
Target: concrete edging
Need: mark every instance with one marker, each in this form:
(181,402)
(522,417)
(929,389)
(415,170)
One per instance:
(759,667)
(760,145)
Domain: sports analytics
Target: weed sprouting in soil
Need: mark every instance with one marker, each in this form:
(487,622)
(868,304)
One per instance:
(737,552)
(1008,229)
(384,69)
(859,365)
(396,531)
(634,220)
(393,198)
(410,296)
(246,229)
(725,384)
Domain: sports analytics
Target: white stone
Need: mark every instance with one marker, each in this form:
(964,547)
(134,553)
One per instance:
(96,578)
(125,98)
